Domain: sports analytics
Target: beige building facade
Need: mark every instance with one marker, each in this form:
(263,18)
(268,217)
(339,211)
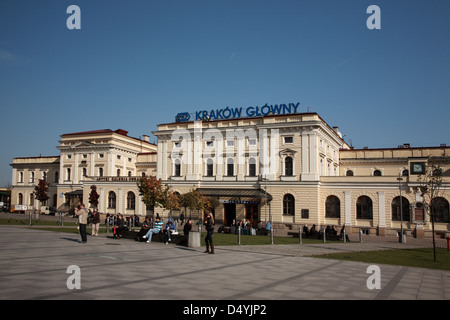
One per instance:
(293,169)
(296,170)
(110,160)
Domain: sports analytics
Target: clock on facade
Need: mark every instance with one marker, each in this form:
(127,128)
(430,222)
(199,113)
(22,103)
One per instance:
(417,167)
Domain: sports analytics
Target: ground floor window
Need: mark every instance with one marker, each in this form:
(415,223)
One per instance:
(364,208)
(332,207)
(396,214)
(288,205)
(111,200)
(440,210)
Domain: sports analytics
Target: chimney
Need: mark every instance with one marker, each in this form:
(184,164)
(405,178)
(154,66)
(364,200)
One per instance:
(146,138)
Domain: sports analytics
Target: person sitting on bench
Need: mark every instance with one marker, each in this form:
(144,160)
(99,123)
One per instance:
(170,228)
(120,226)
(144,229)
(156,229)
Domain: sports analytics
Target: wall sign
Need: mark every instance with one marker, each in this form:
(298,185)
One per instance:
(237,113)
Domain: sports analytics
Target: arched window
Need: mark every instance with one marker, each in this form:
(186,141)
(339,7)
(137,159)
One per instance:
(100,172)
(20,199)
(56,177)
(68,173)
(377,173)
(332,207)
(396,214)
(288,205)
(118,172)
(111,200)
(440,210)
(405,173)
(349,173)
(131,201)
(288,166)
(364,208)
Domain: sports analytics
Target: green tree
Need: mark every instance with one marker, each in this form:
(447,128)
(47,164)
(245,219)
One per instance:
(155,194)
(430,187)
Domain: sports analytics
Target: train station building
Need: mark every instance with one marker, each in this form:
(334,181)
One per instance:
(269,163)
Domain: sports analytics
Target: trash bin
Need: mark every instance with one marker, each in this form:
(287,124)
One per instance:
(194,239)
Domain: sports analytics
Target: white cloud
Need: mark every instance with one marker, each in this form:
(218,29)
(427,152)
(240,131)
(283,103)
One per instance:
(7,57)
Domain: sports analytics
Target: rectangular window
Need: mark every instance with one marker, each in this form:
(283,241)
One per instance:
(288,140)
(209,169)
(252,169)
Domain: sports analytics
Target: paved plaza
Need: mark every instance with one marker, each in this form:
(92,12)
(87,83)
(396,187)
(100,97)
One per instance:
(34,265)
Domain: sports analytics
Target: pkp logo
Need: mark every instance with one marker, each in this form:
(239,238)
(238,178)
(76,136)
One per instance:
(183,117)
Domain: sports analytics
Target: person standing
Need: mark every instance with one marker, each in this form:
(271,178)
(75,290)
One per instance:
(82,214)
(209,225)
(95,222)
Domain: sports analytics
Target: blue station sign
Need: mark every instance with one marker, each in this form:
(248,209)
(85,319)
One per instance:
(236,113)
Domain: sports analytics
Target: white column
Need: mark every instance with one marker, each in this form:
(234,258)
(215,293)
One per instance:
(120,207)
(348,208)
(164,160)
(381,210)
(92,167)
(305,149)
(139,205)
(263,153)
(102,200)
(160,161)
(108,163)
(312,157)
(14,177)
(75,169)
(61,169)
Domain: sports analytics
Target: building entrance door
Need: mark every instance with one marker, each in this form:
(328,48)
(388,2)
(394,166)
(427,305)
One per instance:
(230,213)
(251,214)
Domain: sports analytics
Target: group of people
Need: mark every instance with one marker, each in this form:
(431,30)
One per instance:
(330,231)
(147,230)
(246,225)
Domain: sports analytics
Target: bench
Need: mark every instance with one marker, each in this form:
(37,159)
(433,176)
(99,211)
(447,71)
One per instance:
(158,237)
(317,235)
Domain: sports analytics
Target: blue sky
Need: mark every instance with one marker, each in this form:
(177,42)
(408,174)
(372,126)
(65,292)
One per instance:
(135,64)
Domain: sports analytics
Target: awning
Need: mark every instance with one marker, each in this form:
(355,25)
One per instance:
(74,193)
(235,193)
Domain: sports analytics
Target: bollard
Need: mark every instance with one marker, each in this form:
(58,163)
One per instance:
(31,217)
(360,235)
(300,235)
(271,234)
(107,225)
(239,235)
(324,236)
(344,236)
(62,219)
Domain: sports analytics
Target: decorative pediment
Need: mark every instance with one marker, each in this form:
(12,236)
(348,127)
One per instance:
(82,144)
(287,153)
